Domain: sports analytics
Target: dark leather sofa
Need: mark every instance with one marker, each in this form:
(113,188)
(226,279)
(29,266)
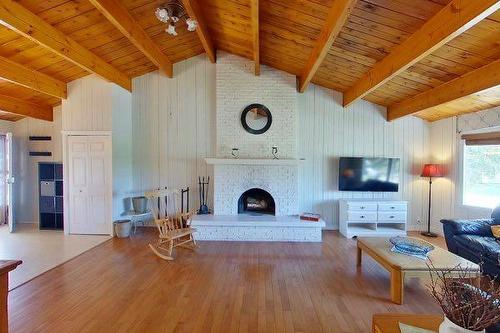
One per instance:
(473,240)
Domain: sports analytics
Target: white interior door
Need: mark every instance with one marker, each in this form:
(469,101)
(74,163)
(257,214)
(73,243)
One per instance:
(9,179)
(90,184)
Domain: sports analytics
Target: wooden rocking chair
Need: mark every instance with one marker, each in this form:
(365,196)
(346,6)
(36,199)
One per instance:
(173,226)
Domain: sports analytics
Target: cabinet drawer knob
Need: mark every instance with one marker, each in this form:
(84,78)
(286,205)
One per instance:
(391,217)
(392,207)
(362,216)
(362,207)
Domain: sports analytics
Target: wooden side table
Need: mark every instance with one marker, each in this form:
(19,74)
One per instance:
(5,267)
(389,322)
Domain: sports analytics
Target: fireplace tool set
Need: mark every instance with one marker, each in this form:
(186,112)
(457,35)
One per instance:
(203,186)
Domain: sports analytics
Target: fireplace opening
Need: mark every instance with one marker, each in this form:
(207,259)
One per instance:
(256,201)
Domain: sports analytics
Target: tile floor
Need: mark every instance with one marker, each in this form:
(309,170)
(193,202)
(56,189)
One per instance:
(41,250)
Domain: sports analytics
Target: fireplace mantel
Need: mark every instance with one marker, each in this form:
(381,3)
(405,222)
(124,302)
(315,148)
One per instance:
(253,161)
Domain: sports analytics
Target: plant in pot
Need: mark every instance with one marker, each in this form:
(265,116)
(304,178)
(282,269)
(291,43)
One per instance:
(467,308)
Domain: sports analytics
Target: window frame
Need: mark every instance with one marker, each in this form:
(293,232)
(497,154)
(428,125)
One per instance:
(461,174)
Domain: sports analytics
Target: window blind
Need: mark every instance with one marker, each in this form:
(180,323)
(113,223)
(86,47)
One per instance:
(482,139)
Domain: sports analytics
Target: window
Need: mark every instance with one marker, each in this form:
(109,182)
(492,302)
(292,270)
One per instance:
(481,172)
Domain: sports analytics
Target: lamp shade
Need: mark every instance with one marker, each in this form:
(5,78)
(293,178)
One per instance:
(432,170)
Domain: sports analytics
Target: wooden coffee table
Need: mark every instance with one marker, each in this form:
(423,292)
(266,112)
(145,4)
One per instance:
(389,322)
(401,266)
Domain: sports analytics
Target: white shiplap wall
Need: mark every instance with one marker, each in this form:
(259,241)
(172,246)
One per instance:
(173,127)
(328,131)
(122,150)
(447,149)
(89,105)
(6,126)
(95,105)
(25,167)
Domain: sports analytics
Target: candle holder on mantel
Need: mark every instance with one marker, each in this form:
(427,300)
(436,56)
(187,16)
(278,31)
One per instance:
(274,151)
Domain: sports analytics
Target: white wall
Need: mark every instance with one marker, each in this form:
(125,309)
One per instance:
(6,126)
(446,149)
(163,139)
(94,105)
(327,131)
(25,167)
(174,129)
(89,105)
(122,149)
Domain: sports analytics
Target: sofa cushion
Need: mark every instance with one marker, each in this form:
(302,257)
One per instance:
(495,230)
(495,215)
(479,227)
(486,246)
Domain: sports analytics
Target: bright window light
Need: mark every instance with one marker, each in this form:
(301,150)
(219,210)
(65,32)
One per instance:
(481,176)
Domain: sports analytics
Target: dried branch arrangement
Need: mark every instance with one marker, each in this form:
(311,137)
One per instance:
(466,305)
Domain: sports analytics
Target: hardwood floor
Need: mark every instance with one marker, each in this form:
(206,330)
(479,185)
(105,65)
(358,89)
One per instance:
(121,286)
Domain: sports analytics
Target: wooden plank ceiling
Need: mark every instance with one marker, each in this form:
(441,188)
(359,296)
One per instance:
(301,37)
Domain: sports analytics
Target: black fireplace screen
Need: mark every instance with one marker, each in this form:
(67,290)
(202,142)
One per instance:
(256,201)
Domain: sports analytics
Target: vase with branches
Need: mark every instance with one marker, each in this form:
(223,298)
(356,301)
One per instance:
(469,304)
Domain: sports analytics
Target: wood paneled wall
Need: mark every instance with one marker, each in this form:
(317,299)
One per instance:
(173,127)
(122,150)
(89,105)
(6,126)
(25,167)
(328,131)
(447,149)
(93,105)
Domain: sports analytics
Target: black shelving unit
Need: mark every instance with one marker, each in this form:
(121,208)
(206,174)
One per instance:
(50,191)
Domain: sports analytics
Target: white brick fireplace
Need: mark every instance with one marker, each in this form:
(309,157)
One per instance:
(238,87)
(232,180)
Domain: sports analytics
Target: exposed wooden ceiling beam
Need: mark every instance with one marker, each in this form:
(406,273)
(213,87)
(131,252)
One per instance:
(16,73)
(449,22)
(9,116)
(21,107)
(255,35)
(17,18)
(337,16)
(475,81)
(194,12)
(120,17)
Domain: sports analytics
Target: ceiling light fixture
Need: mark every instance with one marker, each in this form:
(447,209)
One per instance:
(172,13)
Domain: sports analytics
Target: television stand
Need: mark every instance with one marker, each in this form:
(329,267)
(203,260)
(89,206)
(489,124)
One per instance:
(372,217)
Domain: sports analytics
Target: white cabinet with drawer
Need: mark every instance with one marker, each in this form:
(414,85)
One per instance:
(391,216)
(395,206)
(361,206)
(362,217)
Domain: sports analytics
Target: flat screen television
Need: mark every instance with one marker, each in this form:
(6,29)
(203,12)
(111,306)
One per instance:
(365,174)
